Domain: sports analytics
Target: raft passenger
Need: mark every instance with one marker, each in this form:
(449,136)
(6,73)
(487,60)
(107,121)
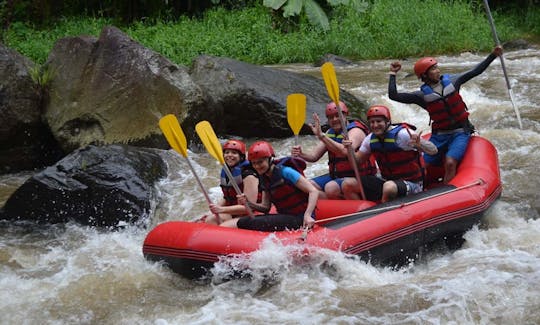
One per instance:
(338,163)
(234,154)
(294,197)
(439,95)
(397,149)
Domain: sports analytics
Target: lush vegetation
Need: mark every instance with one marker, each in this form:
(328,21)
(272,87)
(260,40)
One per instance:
(257,34)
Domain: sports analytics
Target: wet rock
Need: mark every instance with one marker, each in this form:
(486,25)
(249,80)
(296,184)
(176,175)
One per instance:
(97,186)
(251,100)
(114,90)
(25,141)
(338,61)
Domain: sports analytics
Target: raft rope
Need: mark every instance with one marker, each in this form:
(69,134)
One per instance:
(477,182)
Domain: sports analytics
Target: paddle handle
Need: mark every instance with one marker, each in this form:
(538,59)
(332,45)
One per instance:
(236,188)
(350,152)
(503,66)
(201,186)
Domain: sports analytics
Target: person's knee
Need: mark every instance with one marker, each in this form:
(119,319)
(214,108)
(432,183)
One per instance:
(390,188)
(332,190)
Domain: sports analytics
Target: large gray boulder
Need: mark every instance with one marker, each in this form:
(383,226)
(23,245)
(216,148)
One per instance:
(250,100)
(25,141)
(114,90)
(105,186)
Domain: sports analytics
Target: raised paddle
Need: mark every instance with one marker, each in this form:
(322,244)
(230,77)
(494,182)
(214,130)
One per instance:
(296,113)
(177,140)
(501,57)
(332,86)
(211,143)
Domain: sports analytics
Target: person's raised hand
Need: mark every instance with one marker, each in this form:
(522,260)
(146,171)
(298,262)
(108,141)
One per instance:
(498,50)
(395,66)
(316,125)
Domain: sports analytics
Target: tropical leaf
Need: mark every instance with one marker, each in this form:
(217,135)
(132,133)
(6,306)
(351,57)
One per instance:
(335,3)
(274,4)
(316,15)
(293,7)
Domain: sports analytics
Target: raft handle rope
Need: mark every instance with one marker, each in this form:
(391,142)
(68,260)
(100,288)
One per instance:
(477,182)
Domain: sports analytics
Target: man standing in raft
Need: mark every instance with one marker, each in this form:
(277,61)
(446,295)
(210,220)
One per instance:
(397,149)
(439,95)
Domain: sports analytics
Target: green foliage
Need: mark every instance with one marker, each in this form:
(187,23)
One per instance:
(41,75)
(315,14)
(384,29)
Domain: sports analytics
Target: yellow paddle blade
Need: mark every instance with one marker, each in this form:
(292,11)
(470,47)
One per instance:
(330,80)
(210,140)
(173,133)
(296,111)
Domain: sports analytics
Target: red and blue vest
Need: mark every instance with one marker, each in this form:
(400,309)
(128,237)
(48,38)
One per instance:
(394,162)
(339,166)
(229,194)
(286,197)
(447,111)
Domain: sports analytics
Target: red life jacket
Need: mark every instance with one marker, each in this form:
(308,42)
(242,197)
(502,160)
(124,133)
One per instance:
(394,162)
(286,197)
(229,194)
(339,166)
(447,111)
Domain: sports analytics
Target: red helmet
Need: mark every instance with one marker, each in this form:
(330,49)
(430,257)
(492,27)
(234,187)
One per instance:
(260,149)
(422,65)
(379,110)
(235,145)
(331,108)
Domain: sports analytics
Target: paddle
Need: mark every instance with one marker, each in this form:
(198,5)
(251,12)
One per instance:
(212,145)
(177,140)
(332,86)
(496,39)
(296,113)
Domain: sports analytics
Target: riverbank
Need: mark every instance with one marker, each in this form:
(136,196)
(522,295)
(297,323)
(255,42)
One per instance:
(386,29)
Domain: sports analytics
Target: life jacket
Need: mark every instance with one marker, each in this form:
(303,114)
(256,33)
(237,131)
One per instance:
(285,196)
(394,162)
(229,194)
(447,111)
(339,166)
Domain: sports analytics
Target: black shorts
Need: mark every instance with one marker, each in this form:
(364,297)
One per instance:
(271,222)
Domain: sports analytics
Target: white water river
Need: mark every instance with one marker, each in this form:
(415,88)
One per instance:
(78,275)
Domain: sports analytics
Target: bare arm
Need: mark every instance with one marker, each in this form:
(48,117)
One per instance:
(319,150)
(312,156)
(416,141)
(305,185)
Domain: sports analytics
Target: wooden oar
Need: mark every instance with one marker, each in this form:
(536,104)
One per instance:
(332,86)
(177,140)
(212,145)
(501,57)
(296,113)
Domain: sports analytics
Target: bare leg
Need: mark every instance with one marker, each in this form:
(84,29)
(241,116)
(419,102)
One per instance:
(230,223)
(332,190)
(389,191)
(350,189)
(450,166)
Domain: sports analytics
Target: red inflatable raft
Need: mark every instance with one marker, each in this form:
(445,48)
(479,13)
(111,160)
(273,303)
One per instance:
(383,233)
